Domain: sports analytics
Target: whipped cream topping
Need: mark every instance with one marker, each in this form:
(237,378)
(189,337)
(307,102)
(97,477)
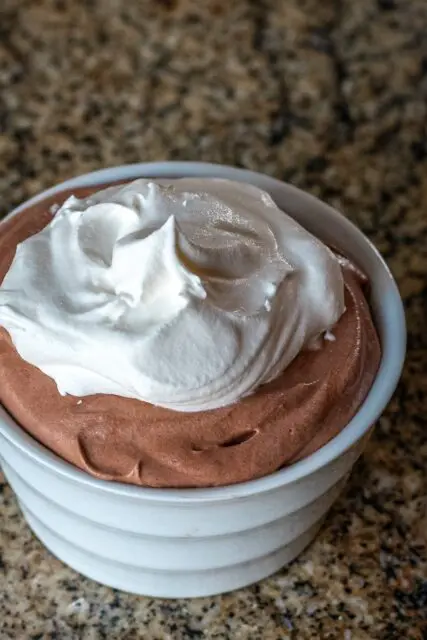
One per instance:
(187,294)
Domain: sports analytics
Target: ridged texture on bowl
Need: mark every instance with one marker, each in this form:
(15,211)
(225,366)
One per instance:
(172,549)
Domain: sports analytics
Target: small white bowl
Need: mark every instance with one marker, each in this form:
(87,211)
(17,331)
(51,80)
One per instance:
(198,542)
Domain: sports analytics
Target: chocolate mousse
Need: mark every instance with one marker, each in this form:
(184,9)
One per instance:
(196,439)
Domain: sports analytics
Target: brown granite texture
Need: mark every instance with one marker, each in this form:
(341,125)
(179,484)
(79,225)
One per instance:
(328,95)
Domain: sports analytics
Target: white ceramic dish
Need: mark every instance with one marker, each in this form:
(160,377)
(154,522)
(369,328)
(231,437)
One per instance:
(199,542)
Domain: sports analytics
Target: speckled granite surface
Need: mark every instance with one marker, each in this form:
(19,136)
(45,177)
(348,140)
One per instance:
(328,95)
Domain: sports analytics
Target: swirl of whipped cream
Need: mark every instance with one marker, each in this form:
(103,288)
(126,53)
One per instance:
(187,294)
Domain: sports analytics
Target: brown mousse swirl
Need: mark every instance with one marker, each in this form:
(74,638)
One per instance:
(131,441)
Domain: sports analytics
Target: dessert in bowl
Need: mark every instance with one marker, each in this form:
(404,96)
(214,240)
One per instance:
(240,344)
(236,341)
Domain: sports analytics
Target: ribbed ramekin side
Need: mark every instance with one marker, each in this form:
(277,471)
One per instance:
(169,584)
(192,553)
(134,514)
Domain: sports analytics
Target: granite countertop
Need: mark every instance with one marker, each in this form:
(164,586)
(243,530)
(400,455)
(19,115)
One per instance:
(331,96)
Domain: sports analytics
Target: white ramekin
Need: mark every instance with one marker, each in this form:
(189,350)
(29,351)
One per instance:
(198,542)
